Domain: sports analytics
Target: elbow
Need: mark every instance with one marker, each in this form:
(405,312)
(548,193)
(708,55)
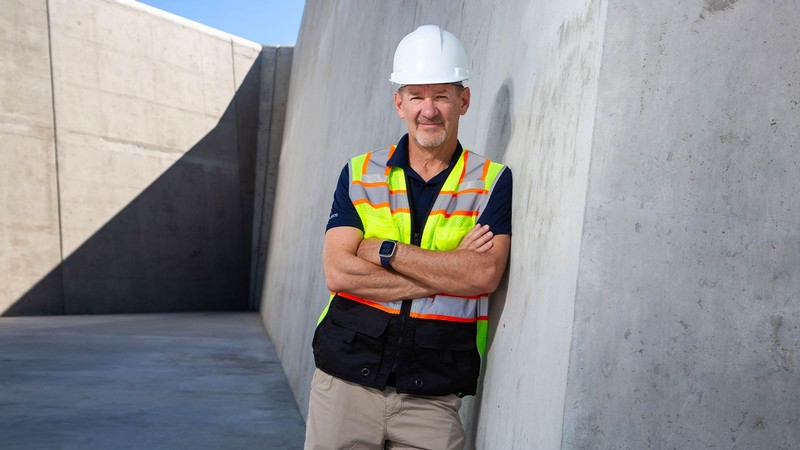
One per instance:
(486,281)
(334,281)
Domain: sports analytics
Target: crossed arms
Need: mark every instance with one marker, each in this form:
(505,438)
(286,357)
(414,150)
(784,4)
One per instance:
(352,265)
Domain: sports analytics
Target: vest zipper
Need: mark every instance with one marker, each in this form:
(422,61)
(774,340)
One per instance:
(405,308)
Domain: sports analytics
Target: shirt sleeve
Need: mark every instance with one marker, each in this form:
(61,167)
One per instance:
(498,210)
(343,213)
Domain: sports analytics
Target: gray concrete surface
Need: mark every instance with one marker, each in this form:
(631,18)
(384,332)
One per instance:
(651,299)
(687,327)
(160,381)
(128,161)
(276,70)
(30,243)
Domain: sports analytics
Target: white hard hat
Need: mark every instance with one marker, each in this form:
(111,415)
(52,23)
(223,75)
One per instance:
(429,55)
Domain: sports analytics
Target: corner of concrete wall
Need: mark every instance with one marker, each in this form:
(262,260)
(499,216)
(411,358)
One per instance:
(30,229)
(130,136)
(276,67)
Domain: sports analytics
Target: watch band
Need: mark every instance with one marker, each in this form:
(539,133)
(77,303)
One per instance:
(386,252)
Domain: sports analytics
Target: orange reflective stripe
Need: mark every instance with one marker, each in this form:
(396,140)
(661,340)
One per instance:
(465,191)
(464,167)
(366,163)
(397,191)
(447,215)
(364,301)
(485,170)
(371,184)
(365,201)
(443,318)
(388,170)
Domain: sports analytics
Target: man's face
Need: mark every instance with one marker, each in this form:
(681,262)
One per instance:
(431,112)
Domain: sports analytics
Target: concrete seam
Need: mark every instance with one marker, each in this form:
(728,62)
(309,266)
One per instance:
(275,71)
(245,244)
(256,242)
(55,154)
(604,18)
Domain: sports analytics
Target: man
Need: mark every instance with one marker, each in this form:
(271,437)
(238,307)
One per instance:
(419,233)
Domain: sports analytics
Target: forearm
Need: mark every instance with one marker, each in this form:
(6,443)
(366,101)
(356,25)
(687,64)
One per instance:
(459,272)
(370,281)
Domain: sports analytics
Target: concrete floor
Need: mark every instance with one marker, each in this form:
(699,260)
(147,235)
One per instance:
(154,381)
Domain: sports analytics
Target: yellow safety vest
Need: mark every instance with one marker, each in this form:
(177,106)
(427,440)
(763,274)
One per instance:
(379,195)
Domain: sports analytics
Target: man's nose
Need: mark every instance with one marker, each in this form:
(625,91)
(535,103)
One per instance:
(428,108)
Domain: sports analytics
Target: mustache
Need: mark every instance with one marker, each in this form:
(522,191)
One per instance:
(433,121)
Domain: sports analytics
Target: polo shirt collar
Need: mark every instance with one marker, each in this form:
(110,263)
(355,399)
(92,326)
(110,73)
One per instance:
(400,156)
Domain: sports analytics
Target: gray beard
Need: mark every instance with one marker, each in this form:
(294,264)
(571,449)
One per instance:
(431,141)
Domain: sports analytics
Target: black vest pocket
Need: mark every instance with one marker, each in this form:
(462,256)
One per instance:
(349,341)
(445,359)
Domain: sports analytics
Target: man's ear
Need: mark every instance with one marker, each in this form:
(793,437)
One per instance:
(398,103)
(465,97)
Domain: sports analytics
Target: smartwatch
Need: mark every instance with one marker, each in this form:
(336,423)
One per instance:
(386,251)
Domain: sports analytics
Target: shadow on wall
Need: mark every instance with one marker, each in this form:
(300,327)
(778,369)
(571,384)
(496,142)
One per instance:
(180,245)
(501,127)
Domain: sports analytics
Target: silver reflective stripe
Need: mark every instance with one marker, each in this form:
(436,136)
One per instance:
(461,202)
(443,305)
(377,162)
(375,196)
(373,178)
(471,180)
(482,204)
(472,184)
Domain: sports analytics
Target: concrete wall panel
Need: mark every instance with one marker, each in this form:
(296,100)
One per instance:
(151,159)
(687,296)
(29,222)
(276,70)
(539,82)
(151,170)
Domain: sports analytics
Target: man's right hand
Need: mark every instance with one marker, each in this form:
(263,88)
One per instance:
(479,239)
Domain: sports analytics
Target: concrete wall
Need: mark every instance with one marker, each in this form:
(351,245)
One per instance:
(129,159)
(30,241)
(651,300)
(276,67)
(687,327)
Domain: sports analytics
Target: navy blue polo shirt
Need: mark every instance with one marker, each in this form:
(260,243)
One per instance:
(422,195)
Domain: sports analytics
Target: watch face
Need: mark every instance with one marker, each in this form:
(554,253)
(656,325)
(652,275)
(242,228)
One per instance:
(387,248)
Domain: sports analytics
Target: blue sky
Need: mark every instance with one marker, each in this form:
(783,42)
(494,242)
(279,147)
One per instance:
(262,21)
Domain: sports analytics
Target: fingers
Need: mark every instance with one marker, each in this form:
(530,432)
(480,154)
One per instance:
(483,243)
(478,239)
(469,239)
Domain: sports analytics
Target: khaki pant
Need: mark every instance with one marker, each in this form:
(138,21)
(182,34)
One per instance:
(345,415)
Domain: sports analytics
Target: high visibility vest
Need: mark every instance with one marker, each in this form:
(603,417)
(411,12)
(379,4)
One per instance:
(380,197)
